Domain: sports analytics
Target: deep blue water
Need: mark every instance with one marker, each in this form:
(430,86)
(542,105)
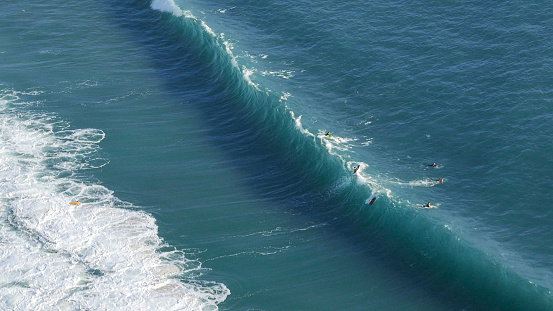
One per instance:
(192,134)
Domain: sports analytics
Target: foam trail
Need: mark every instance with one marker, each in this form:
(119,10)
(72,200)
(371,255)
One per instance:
(102,254)
(417,183)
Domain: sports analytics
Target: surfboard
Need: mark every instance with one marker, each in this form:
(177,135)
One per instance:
(74,203)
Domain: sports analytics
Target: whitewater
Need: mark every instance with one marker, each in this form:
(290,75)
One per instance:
(63,256)
(192,136)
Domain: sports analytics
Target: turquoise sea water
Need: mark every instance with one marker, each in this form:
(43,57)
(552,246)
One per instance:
(192,134)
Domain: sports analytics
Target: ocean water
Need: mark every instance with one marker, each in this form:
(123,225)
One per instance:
(192,134)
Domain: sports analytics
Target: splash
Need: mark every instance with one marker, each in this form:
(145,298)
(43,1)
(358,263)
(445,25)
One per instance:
(166,6)
(299,126)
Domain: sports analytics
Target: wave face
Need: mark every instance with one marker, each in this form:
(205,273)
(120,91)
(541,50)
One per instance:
(212,119)
(307,162)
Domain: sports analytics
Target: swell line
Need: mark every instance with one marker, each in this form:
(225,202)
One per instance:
(257,125)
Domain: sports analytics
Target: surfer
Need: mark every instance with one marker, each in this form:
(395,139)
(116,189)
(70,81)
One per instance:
(356,168)
(433,165)
(75,203)
(439,180)
(372,201)
(427,205)
(328,134)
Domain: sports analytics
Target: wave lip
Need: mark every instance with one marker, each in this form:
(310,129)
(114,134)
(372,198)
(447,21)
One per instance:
(166,6)
(442,256)
(99,254)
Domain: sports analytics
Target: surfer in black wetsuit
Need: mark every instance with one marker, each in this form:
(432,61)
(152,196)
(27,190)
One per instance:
(433,165)
(328,134)
(427,205)
(356,168)
(372,201)
(439,180)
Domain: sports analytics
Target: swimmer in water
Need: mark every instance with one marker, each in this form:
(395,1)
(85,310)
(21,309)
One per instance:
(356,168)
(439,180)
(433,165)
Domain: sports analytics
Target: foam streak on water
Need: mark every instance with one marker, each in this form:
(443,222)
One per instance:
(101,254)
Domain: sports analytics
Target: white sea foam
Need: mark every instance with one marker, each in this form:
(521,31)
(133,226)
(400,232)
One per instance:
(344,144)
(246,73)
(166,6)
(285,74)
(209,30)
(417,183)
(299,126)
(171,7)
(284,97)
(102,254)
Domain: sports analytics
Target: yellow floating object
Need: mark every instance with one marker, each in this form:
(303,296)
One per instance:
(74,203)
